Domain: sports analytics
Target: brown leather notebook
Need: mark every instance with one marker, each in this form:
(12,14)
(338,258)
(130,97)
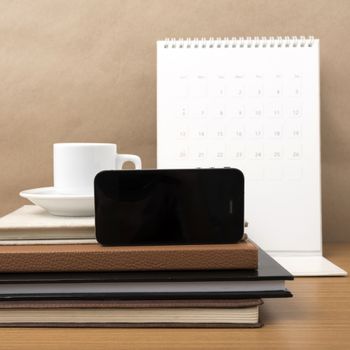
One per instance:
(93,257)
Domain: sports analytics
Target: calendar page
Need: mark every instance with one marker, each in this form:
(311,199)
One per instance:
(251,104)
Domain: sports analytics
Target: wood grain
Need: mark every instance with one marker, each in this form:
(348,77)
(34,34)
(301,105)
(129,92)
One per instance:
(318,317)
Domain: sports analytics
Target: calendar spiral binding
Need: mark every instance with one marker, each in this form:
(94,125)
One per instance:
(239,42)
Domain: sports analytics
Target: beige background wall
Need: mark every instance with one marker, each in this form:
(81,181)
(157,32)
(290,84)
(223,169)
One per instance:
(74,70)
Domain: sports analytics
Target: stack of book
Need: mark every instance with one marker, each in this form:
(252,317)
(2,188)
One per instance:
(54,274)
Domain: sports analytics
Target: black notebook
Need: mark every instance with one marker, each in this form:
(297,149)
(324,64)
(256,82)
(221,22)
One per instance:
(267,281)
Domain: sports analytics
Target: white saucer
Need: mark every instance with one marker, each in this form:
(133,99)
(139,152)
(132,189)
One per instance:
(60,204)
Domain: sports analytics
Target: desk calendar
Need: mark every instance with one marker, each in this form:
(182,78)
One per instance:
(251,104)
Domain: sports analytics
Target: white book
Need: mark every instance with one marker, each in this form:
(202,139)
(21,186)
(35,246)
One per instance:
(31,224)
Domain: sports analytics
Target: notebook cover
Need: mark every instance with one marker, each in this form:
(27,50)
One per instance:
(268,269)
(285,293)
(53,304)
(130,304)
(47,241)
(131,325)
(93,257)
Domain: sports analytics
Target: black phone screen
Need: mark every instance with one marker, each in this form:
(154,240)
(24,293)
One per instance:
(182,206)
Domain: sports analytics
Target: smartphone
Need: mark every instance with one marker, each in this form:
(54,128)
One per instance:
(171,206)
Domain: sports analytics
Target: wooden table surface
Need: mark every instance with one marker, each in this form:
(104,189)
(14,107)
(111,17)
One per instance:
(318,317)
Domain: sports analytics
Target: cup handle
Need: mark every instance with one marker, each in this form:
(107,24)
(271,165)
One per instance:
(120,159)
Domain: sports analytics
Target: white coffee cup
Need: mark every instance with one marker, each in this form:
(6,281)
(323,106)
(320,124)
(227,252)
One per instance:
(76,165)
